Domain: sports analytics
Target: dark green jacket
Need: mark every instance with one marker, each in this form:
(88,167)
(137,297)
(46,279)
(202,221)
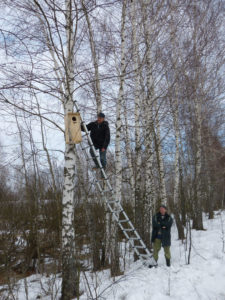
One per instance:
(157,225)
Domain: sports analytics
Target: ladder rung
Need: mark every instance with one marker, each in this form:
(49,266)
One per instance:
(84,148)
(134,238)
(107,190)
(139,247)
(106,178)
(145,255)
(116,211)
(113,201)
(123,221)
(128,229)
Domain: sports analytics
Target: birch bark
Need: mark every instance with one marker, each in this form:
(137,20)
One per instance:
(138,214)
(177,153)
(65,76)
(177,169)
(158,146)
(129,159)
(115,269)
(150,197)
(69,283)
(197,219)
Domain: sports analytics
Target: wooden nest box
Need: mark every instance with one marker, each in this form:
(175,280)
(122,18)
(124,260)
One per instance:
(73,128)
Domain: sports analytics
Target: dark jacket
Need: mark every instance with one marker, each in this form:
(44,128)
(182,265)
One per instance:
(100,134)
(157,225)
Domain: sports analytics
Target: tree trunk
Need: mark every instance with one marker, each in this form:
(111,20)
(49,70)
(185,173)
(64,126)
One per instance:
(197,208)
(129,160)
(177,214)
(69,275)
(158,147)
(69,283)
(115,268)
(150,196)
(138,196)
(197,219)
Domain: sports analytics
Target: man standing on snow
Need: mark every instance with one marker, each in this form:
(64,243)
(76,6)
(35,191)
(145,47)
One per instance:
(161,236)
(100,135)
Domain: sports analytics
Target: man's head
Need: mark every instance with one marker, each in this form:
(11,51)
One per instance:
(101,118)
(162,209)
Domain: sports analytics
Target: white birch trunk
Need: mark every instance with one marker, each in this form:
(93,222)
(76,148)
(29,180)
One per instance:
(66,83)
(150,196)
(175,113)
(137,115)
(69,284)
(198,223)
(177,153)
(162,183)
(150,192)
(176,193)
(118,165)
(120,104)
(129,159)
(177,166)
(197,220)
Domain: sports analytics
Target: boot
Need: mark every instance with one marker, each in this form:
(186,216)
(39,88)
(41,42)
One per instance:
(153,266)
(168,262)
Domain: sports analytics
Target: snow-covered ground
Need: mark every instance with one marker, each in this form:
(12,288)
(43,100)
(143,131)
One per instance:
(203,278)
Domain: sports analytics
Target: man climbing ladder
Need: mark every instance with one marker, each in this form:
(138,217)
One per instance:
(99,138)
(100,135)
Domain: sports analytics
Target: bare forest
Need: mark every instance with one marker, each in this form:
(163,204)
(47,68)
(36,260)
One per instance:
(157,71)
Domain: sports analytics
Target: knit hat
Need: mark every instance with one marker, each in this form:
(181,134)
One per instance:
(164,206)
(101,115)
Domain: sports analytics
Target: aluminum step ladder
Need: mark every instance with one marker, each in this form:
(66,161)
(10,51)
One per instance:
(114,206)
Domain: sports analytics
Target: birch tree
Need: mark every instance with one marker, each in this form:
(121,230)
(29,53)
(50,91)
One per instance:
(129,157)
(159,155)
(174,102)
(118,163)
(150,196)
(137,111)
(57,27)
(69,284)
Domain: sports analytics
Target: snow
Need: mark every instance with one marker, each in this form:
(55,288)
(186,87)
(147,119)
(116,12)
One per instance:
(203,278)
